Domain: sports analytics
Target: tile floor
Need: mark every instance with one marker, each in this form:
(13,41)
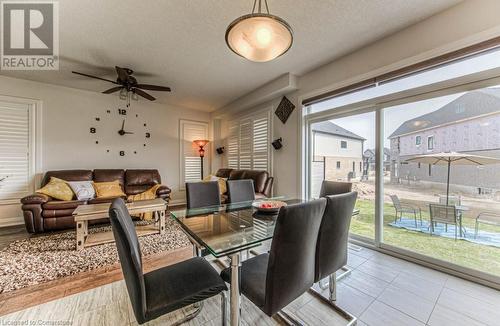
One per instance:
(381,290)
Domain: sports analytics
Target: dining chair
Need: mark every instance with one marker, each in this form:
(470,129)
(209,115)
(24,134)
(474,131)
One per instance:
(443,214)
(405,208)
(240,191)
(333,238)
(166,289)
(334,188)
(202,194)
(273,280)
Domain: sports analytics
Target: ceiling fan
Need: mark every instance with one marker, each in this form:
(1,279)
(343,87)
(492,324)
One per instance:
(127,82)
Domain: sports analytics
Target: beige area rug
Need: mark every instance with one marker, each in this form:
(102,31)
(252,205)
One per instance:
(48,257)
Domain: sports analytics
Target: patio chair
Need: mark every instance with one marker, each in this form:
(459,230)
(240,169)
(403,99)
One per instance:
(404,208)
(490,218)
(443,214)
(452,200)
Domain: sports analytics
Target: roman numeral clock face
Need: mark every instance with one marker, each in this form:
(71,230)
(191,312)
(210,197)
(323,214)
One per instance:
(121,132)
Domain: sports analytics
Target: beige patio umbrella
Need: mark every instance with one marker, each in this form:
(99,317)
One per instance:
(453,158)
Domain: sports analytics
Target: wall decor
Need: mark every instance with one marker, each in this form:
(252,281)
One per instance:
(277,144)
(220,150)
(284,109)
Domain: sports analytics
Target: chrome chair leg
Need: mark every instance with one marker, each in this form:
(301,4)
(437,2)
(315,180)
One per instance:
(351,319)
(198,307)
(332,280)
(346,272)
(223,305)
(288,319)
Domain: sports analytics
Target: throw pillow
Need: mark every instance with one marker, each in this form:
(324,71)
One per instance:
(221,181)
(82,189)
(58,189)
(108,189)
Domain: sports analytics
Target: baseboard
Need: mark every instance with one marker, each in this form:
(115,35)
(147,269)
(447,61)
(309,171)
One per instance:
(11,221)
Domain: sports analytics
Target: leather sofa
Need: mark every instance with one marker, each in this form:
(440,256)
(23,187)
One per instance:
(262,182)
(43,213)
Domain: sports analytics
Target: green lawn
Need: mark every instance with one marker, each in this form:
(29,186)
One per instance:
(460,252)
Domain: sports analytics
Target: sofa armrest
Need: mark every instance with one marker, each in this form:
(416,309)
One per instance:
(35,198)
(268,188)
(163,192)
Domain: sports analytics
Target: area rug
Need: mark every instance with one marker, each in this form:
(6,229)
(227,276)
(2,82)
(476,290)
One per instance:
(483,237)
(45,258)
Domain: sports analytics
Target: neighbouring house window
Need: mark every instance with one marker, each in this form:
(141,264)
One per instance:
(418,140)
(430,142)
(248,143)
(343,144)
(15,146)
(190,158)
(338,164)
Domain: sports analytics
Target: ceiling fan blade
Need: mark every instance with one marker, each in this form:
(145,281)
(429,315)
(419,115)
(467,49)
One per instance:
(143,94)
(154,87)
(95,77)
(122,74)
(112,90)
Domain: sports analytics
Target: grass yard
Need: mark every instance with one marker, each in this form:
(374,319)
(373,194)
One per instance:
(460,252)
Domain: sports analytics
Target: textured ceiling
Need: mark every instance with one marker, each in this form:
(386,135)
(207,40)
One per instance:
(180,43)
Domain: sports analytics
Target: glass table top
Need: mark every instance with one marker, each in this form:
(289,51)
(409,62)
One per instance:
(226,229)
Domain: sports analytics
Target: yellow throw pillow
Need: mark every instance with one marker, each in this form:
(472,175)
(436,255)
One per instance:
(221,181)
(58,189)
(108,189)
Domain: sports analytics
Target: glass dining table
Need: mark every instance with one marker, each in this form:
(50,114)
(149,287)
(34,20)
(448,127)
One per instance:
(228,230)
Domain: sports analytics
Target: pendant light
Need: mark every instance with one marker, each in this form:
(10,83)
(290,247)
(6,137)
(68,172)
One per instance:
(259,36)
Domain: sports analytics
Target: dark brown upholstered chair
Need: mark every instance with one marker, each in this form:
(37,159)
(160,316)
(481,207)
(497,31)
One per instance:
(202,194)
(333,238)
(166,289)
(329,188)
(273,280)
(240,190)
(43,213)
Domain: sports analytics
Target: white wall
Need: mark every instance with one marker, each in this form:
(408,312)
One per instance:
(68,114)
(467,23)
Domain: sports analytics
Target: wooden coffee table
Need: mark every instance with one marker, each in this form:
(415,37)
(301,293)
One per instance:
(85,213)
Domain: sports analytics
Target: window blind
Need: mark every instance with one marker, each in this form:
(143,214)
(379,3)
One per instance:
(190,158)
(248,143)
(14,150)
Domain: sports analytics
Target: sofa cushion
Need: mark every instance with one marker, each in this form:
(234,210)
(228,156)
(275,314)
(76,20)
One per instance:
(68,175)
(63,204)
(108,189)
(58,189)
(49,213)
(259,177)
(108,175)
(84,190)
(138,181)
(223,173)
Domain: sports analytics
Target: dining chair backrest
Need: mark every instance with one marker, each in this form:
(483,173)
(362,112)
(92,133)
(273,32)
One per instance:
(290,269)
(333,236)
(202,194)
(240,190)
(452,200)
(329,188)
(129,253)
(443,213)
(395,201)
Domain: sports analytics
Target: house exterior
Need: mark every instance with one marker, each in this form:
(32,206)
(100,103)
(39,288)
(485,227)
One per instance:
(369,159)
(469,124)
(340,150)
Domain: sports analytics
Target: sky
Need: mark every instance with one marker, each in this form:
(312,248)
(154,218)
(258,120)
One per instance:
(364,124)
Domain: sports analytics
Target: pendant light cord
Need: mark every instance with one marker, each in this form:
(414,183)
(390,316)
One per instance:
(259,6)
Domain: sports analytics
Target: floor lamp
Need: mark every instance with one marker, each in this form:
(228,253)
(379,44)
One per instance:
(201,143)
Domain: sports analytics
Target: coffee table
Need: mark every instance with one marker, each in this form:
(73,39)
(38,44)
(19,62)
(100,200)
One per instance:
(85,213)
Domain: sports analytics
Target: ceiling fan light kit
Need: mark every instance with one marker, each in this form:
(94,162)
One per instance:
(259,36)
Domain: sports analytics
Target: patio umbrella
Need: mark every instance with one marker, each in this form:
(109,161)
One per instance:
(453,158)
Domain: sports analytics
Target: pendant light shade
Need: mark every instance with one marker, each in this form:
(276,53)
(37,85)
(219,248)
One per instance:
(259,37)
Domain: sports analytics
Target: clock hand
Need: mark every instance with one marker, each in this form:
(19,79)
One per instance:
(127,132)
(123,124)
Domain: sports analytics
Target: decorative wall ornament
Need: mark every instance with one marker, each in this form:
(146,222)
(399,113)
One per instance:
(220,150)
(284,109)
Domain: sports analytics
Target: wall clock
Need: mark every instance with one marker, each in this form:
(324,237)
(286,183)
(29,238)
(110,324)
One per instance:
(120,131)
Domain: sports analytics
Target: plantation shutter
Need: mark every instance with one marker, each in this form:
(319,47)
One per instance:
(191,163)
(248,143)
(14,150)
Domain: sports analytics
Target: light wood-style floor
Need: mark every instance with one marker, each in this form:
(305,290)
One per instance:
(382,290)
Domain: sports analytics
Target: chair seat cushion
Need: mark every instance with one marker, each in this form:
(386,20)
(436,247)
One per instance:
(176,286)
(253,278)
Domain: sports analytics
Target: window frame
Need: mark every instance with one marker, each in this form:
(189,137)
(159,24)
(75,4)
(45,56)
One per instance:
(430,138)
(343,142)
(418,140)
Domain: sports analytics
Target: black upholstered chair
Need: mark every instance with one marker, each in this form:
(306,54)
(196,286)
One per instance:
(329,188)
(202,194)
(333,237)
(166,289)
(273,280)
(240,190)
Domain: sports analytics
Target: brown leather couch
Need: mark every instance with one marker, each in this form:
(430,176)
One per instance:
(262,182)
(43,213)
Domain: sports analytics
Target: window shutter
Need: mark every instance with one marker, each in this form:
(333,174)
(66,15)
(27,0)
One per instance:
(232,145)
(261,143)
(191,165)
(14,149)
(246,144)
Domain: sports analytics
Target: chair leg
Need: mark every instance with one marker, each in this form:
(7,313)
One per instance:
(332,279)
(415,217)
(223,307)
(476,229)
(198,307)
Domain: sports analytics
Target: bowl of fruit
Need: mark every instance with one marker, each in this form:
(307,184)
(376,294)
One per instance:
(268,206)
